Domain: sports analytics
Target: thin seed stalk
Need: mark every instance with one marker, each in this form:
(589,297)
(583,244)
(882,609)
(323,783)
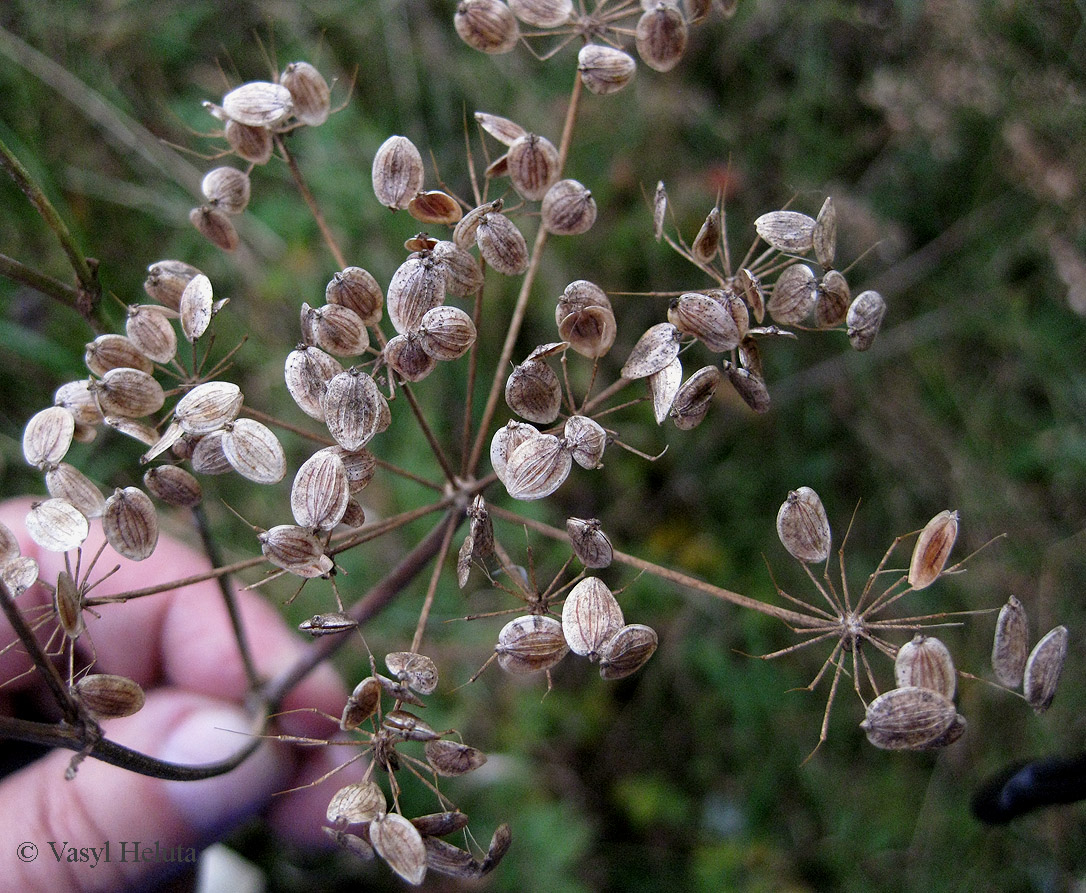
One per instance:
(311,203)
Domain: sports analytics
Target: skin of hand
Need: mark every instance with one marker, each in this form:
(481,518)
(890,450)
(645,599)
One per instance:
(179,647)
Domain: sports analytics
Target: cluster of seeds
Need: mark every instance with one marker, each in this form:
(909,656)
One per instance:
(359,814)
(1038,671)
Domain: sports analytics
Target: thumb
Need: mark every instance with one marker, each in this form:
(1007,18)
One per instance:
(109,828)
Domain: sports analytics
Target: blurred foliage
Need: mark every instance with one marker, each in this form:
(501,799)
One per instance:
(952,136)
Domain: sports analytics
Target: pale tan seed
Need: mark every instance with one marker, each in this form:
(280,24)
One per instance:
(258,104)
(77,398)
(417,670)
(351,843)
(706,319)
(405,355)
(707,242)
(579,295)
(19,574)
(530,644)
(486,25)
(227,189)
(106,695)
(537,467)
(586,439)
(319,495)
(748,385)
(438,824)
(327,624)
(568,209)
(733,302)
(141,431)
(659,210)
(505,442)
(9,545)
(417,285)
(750,287)
(824,235)
(1043,669)
(215,226)
(335,329)
(253,144)
(925,661)
(173,438)
(450,759)
(356,289)
(208,406)
(663,386)
(130,523)
(47,437)
(1011,646)
(590,544)
(500,841)
(590,617)
(399,843)
(64,481)
(353,408)
(932,549)
(501,244)
(502,129)
(787,231)
(654,350)
(254,452)
(864,319)
(197,301)
(173,485)
(832,299)
(803,527)
(481,526)
(627,651)
(533,392)
(360,465)
(435,207)
(309,92)
(68,605)
(661,36)
(590,332)
(446,333)
(128,393)
(362,801)
(397,172)
(463,275)
(148,327)
(693,399)
(115,352)
(793,296)
(362,703)
(408,726)
(208,456)
(307,372)
(908,718)
(533,165)
(294,549)
(604,69)
(464,231)
(542,13)
(166,280)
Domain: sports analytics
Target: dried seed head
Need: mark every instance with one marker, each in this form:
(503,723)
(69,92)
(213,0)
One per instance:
(307,373)
(295,549)
(653,351)
(590,617)
(64,481)
(663,386)
(749,386)
(463,276)
(397,172)
(693,399)
(105,695)
(354,408)
(130,523)
(542,13)
(604,69)
(327,624)
(532,165)
(357,290)
(362,801)
(215,226)
(417,670)
(824,236)
(446,333)
(932,549)
(793,296)
(1011,646)
(253,144)
(399,843)
(627,651)
(486,25)
(435,207)
(1043,669)
(115,352)
(166,280)
(586,439)
(910,718)
(254,452)
(568,209)
(309,92)
(925,662)
(803,527)
(197,301)
(319,495)
(77,398)
(362,703)
(537,467)
(659,210)
(533,392)
(173,485)
(48,436)
(787,231)
(706,319)
(505,442)
(259,104)
(208,407)
(335,329)
(417,285)
(832,299)
(530,644)
(590,544)
(501,244)
(405,355)
(864,319)
(750,287)
(148,327)
(227,189)
(449,758)
(661,36)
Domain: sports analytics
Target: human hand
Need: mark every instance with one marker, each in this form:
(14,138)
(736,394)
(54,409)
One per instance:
(179,647)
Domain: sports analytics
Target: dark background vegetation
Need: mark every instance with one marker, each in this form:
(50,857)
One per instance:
(952,136)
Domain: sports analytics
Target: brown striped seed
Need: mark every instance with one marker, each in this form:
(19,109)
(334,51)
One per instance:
(803,527)
(357,290)
(657,347)
(537,467)
(486,25)
(106,695)
(67,482)
(319,495)
(417,670)
(932,549)
(208,407)
(793,296)
(1043,669)
(910,718)
(254,452)
(1011,645)
(590,544)
(661,36)
(258,104)
(399,843)
(173,485)
(130,523)
(530,644)
(307,372)
(864,319)
(227,189)
(627,651)
(787,231)
(590,617)
(214,225)
(47,437)
(362,801)
(397,172)
(604,69)
(148,327)
(115,352)
(166,280)
(924,661)
(542,13)
(568,209)
(448,758)
(309,92)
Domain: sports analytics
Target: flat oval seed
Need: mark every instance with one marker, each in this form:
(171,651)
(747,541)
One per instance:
(67,482)
(130,524)
(586,439)
(663,386)
(793,296)
(48,436)
(195,307)
(604,69)
(399,843)
(925,662)
(451,759)
(590,617)
(259,104)
(107,695)
(803,527)
(908,718)
(1011,646)
(661,36)
(542,13)
(505,442)
(208,407)
(149,328)
(590,544)
(309,92)
(787,231)
(653,351)
(115,352)
(354,409)
(502,245)
(319,495)
(627,651)
(397,172)
(1043,669)
(530,644)
(486,25)
(307,372)
(362,801)
(418,670)
(864,319)
(537,467)
(56,525)
(254,452)
(357,290)
(227,189)
(533,392)
(932,549)
(532,165)
(173,485)
(568,209)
